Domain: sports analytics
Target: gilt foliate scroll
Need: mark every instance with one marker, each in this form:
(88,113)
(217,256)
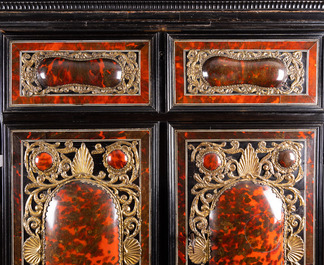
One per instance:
(247,203)
(77,213)
(245,72)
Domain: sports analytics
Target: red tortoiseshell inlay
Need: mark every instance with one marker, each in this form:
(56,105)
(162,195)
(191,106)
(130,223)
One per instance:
(286,158)
(117,159)
(307,135)
(223,71)
(247,226)
(183,98)
(19,179)
(43,161)
(143,98)
(59,71)
(211,161)
(81,227)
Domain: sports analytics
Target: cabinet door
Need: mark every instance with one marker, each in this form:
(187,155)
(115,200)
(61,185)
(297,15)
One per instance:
(246,196)
(81,196)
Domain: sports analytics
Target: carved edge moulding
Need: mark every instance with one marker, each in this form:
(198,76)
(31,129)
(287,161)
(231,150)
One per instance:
(249,72)
(81,195)
(148,5)
(246,196)
(70,73)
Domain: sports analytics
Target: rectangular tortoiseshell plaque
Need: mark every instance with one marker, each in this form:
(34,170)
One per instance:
(81,197)
(68,73)
(251,72)
(245,197)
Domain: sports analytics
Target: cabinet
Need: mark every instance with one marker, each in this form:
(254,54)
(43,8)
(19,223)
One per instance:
(178,132)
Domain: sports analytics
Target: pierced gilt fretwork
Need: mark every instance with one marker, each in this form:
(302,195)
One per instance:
(69,164)
(264,165)
(128,61)
(197,84)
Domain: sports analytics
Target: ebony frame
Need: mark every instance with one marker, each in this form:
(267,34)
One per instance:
(160,21)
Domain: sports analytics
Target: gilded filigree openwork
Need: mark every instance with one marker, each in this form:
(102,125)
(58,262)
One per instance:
(197,84)
(278,167)
(128,61)
(59,169)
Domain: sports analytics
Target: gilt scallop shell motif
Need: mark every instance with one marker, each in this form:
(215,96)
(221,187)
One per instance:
(32,250)
(296,248)
(199,254)
(132,251)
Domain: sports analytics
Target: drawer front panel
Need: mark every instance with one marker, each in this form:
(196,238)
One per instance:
(81,196)
(80,73)
(245,72)
(246,196)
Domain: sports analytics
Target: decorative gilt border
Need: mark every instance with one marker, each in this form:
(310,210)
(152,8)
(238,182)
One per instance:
(44,185)
(130,79)
(210,185)
(197,84)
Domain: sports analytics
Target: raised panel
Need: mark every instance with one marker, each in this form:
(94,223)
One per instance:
(70,73)
(245,72)
(81,197)
(246,196)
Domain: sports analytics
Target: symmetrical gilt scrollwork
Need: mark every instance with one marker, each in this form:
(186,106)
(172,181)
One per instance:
(197,84)
(262,166)
(121,184)
(128,61)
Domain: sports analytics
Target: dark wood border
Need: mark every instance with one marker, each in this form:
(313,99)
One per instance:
(114,18)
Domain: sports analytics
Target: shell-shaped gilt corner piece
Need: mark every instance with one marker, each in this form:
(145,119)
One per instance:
(82,162)
(132,251)
(198,253)
(249,162)
(296,248)
(32,250)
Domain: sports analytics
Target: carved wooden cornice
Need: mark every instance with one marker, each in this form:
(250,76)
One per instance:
(158,5)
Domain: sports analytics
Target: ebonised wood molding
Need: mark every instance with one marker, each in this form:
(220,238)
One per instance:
(155,5)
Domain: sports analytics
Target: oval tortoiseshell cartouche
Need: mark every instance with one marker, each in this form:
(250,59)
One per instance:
(98,72)
(223,71)
(81,226)
(247,226)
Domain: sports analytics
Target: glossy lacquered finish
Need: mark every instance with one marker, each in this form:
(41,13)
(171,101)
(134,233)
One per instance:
(223,71)
(81,226)
(59,71)
(247,226)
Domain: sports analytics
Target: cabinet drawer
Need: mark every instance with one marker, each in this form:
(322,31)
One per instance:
(81,196)
(246,196)
(245,72)
(70,73)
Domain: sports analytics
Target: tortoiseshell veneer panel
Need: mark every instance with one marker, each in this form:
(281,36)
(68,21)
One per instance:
(81,196)
(245,196)
(69,73)
(251,72)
